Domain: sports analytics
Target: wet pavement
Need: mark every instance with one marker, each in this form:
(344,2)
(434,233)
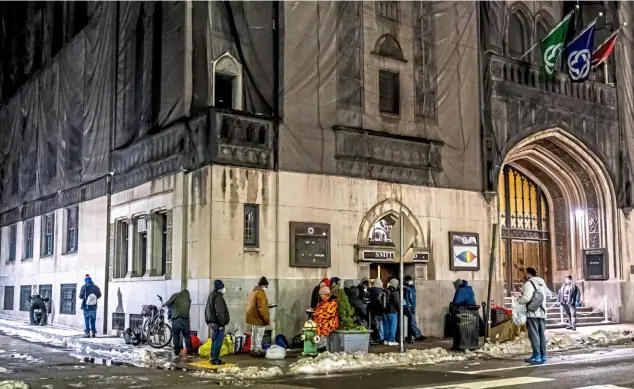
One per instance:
(43,366)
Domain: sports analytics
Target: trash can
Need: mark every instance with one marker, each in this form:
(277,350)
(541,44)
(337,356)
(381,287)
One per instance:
(466,320)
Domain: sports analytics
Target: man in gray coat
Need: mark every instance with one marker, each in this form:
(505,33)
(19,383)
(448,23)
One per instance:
(569,297)
(534,289)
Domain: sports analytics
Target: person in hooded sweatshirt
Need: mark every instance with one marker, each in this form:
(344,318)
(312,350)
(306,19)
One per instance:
(180,303)
(410,304)
(89,294)
(217,317)
(37,302)
(376,309)
(314,298)
(464,294)
(390,317)
(258,315)
(536,320)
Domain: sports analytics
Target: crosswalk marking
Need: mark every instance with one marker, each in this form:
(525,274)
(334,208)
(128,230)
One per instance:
(493,383)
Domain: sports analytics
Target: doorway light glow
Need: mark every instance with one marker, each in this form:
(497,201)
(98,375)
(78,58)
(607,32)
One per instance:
(579,213)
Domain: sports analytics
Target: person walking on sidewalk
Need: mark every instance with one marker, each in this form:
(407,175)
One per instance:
(217,317)
(179,304)
(569,297)
(89,294)
(533,298)
(258,315)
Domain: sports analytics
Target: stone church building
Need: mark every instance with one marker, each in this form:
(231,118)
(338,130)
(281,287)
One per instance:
(163,145)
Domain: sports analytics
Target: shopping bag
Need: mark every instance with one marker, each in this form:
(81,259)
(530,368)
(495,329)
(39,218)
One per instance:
(276,352)
(227,346)
(205,349)
(519,313)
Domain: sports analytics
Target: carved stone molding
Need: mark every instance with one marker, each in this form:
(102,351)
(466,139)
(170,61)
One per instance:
(424,34)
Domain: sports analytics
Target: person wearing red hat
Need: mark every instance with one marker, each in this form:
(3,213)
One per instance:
(89,294)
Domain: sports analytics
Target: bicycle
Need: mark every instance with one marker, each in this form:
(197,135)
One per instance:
(155,331)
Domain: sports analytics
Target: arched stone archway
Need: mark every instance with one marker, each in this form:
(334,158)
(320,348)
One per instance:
(581,203)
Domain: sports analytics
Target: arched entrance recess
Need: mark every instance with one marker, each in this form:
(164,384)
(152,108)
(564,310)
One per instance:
(375,248)
(555,201)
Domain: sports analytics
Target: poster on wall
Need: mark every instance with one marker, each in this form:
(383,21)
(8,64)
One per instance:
(464,251)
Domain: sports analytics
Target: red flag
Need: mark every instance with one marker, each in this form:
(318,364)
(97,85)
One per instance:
(603,52)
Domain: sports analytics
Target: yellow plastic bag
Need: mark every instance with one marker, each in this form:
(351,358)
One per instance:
(205,349)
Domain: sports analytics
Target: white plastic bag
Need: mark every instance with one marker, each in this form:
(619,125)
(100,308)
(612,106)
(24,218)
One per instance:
(275,352)
(519,313)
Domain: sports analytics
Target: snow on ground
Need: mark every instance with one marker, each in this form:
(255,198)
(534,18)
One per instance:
(13,385)
(246,373)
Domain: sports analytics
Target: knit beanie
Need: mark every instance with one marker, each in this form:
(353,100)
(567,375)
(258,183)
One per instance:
(334,280)
(263,282)
(87,279)
(394,283)
(324,291)
(218,285)
(326,282)
(378,283)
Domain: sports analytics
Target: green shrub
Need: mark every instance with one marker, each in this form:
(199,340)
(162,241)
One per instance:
(346,314)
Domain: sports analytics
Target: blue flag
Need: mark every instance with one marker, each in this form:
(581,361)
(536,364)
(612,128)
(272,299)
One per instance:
(578,54)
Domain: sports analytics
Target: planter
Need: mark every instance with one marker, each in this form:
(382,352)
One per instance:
(348,341)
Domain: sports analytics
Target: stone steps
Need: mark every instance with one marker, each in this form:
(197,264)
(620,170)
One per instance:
(585,315)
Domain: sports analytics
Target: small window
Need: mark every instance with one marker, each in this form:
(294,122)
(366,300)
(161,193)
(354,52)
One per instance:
(389,92)
(28,238)
(159,245)
(68,298)
(46,292)
(121,254)
(223,86)
(8,298)
(251,213)
(72,229)
(136,321)
(48,235)
(13,235)
(139,260)
(25,294)
(118,321)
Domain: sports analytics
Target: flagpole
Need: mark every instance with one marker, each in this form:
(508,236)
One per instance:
(569,15)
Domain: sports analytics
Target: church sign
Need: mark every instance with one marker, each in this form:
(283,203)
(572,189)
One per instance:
(310,245)
(386,254)
(595,265)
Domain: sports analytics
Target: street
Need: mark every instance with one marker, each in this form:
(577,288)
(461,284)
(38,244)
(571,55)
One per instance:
(48,368)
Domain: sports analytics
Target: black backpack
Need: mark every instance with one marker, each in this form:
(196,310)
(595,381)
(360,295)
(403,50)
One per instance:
(383,297)
(536,301)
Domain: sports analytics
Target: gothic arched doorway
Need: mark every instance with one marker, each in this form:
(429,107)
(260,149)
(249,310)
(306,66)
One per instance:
(525,229)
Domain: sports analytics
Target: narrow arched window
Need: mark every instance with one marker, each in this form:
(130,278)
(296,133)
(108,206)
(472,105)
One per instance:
(516,36)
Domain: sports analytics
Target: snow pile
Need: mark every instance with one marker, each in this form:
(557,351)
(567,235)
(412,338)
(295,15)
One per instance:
(604,338)
(33,337)
(13,385)
(236,373)
(25,357)
(336,362)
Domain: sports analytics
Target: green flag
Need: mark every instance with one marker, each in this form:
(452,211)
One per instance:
(552,45)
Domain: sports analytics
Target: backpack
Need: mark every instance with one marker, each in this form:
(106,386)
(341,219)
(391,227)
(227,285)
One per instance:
(535,303)
(91,299)
(383,297)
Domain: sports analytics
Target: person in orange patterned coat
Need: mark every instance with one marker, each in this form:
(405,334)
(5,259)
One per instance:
(325,315)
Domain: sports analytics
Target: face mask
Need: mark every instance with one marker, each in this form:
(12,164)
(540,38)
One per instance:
(222,290)
(365,288)
(264,288)
(410,283)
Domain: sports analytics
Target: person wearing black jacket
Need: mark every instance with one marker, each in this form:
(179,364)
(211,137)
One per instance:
(37,302)
(217,317)
(314,297)
(390,315)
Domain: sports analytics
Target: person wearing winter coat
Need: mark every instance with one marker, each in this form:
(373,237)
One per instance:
(326,314)
(536,320)
(217,317)
(376,309)
(364,290)
(180,304)
(37,302)
(390,315)
(314,298)
(360,310)
(464,294)
(89,294)
(569,297)
(409,292)
(334,285)
(258,315)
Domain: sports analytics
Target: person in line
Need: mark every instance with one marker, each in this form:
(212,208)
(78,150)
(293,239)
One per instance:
(217,318)
(364,290)
(258,316)
(180,304)
(326,314)
(569,297)
(391,311)
(533,292)
(334,285)
(37,302)
(376,309)
(360,309)
(89,294)
(409,292)
(464,294)
(314,298)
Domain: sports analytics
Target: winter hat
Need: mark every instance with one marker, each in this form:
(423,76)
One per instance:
(324,291)
(394,283)
(569,277)
(348,284)
(326,282)
(334,280)
(408,278)
(263,282)
(218,285)
(457,283)
(87,279)
(378,283)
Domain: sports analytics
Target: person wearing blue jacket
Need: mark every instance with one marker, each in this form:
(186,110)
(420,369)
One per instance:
(464,293)
(409,292)
(89,295)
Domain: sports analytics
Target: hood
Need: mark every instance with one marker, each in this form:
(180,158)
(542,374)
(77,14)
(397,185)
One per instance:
(348,284)
(218,285)
(185,293)
(394,283)
(364,280)
(538,281)
(378,283)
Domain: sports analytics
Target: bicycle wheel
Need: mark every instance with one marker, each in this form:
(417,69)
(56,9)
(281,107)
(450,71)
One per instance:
(159,335)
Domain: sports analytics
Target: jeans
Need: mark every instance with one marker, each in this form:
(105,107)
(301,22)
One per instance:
(378,324)
(571,312)
(90,317)
(390,324)
(410,324)
(537,335)
(414,326)
(180,330)
(258,337)
(217,338)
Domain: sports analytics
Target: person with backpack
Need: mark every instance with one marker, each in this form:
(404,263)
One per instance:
(391,302)
(376,309)
(569,297)
(180,304)
(217,317)
(533,298)
(89,294)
